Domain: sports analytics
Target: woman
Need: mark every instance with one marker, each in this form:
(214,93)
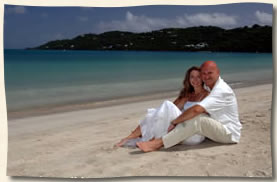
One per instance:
(157,121)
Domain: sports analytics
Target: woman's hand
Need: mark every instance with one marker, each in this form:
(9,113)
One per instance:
(171,127)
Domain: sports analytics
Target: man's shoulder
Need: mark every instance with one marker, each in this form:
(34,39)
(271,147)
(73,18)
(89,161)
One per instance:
(222,86)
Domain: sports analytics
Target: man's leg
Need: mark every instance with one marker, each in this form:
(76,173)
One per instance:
(203,125)
(172,138)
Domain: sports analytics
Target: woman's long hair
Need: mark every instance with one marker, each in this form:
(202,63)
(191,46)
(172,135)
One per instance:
(187,87)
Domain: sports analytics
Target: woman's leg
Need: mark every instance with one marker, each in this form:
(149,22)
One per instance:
(158,118)
(136,133)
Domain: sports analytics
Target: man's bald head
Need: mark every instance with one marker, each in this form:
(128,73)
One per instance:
(210,64)
(209,73)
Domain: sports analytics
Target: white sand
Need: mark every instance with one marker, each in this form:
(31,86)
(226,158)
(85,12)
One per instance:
(80,144)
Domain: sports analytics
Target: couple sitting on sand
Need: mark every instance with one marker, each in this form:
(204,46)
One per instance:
(205,107)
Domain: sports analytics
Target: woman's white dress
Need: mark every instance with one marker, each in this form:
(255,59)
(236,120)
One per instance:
(156,123)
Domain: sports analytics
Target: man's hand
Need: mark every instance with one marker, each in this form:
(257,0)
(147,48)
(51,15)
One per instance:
(171,127)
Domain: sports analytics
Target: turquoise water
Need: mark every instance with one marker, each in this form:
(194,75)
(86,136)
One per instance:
(38,78)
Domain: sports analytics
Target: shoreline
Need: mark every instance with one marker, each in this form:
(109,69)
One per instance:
(68,107)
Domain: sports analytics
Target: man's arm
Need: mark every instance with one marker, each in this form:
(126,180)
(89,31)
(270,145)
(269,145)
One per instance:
(188,114)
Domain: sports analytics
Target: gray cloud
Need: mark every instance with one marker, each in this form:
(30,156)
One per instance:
(215,19)
(264,18)
(134,23)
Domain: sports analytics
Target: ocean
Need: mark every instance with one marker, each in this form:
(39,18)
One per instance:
(37,78)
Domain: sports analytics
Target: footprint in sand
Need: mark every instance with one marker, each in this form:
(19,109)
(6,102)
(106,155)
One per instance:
(91,161)
(260,115)
(256,173)
(234,162)
(108,149)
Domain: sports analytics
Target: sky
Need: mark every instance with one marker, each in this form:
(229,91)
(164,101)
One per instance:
(31,26)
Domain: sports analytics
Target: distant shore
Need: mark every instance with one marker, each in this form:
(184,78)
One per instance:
(200,38)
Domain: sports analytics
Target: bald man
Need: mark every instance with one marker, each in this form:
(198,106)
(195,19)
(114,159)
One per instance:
(215,117)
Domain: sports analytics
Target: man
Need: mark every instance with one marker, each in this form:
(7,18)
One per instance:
(215,117)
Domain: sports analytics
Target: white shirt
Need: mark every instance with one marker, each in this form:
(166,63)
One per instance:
(222,106)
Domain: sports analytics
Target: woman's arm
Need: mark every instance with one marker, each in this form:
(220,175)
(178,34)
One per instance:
(177,101)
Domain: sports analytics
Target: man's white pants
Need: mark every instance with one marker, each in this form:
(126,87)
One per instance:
(202,125)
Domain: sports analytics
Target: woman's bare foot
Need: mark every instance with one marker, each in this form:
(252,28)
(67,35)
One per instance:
(122,142)
(150,146)
(135,134)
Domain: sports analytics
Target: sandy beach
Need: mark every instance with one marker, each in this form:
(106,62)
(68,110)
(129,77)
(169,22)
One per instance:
(81,143)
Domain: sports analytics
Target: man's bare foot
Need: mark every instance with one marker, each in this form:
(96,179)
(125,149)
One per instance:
(150,146)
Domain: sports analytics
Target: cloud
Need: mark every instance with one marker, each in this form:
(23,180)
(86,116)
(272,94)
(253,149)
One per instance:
(134,23)
(17,10)
(264,18)
(215,19)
